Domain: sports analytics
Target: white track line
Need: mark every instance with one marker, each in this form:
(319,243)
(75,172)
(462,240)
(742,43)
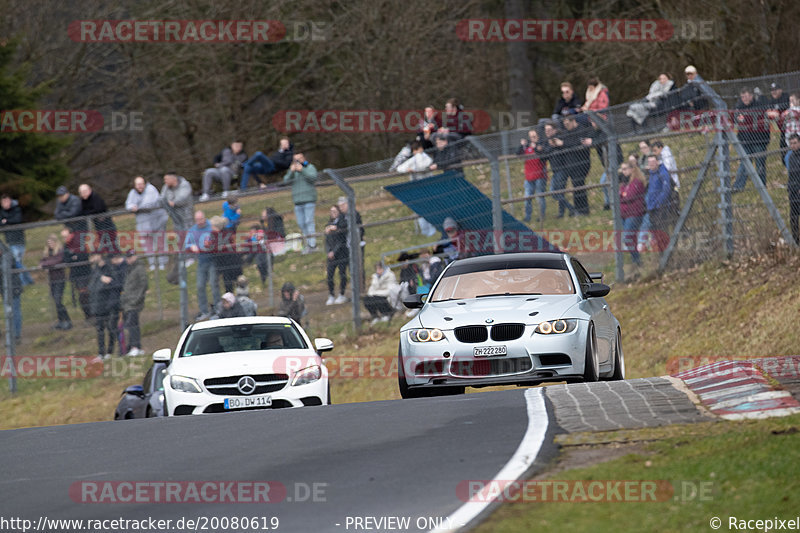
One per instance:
(519,463)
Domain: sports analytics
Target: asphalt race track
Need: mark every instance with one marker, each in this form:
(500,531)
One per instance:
(337,463)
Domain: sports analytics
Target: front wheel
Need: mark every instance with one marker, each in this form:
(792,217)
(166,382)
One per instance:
(590,370)
(619,360)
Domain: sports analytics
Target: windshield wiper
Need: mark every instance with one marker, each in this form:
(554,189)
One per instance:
(508,294)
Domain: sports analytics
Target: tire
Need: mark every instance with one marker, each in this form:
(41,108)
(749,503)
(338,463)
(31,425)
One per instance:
(590,370)
(405,391)
(619,360)
(329,393)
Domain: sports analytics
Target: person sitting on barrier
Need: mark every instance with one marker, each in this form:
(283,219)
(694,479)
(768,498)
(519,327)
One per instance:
(429,124)
(568,104)
(376,301)
(225,169)
(597,98)
(278,161)
(456,123)
(653,103)
(418,164)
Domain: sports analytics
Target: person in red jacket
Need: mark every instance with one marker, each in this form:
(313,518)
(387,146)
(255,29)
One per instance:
(535,171)
(632,206)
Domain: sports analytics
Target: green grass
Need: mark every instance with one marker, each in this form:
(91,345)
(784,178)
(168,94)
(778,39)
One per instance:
(741,469)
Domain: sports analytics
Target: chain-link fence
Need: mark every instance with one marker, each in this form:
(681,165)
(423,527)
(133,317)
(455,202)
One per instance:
(584,185)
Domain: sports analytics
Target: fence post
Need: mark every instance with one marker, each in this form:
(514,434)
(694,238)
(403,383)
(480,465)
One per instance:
(505,151)
(8,312)
(497,206)
(725,203)
(184,296)
(355,246)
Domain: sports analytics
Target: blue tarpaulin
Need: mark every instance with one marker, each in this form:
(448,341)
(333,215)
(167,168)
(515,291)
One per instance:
(450,195)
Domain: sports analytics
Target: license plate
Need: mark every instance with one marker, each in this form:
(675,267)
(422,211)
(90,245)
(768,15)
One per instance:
(489,351)
(242,402)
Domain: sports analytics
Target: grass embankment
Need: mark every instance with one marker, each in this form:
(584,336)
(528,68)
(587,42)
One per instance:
(722,470)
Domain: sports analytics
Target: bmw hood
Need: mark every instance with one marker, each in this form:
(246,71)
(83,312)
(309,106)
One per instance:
(499,309)
(244,363)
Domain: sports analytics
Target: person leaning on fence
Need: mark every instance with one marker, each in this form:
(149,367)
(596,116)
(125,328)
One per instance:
(790,119)
(343,206)
(11,215)
(302,176)
(382,286)
(16,295)
(151,219)
(53,262)
(597,98)
(753,132)
(446,155)
(558,164)
(176,198)
(293,305)
(79,273)
(199,242)
(69,206)
(134,290)
(776,104)
(227,259)
(104,295)
(632,206)
(535,172)
(336,250)
(93,204)
(231,159)
(578,158)
(657,200)
(793,186)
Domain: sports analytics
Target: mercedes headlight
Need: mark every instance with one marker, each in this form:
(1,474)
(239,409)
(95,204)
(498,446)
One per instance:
(426,335)
(307,375)
(184,384)
(555,327)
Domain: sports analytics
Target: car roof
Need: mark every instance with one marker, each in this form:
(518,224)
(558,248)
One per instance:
(241,320)
(511,260)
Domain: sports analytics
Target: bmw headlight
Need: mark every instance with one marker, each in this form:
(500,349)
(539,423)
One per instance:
(426,335)
(555,327)
(307,375)
(184,384)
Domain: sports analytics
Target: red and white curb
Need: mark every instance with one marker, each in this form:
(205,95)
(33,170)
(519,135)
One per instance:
(737,390)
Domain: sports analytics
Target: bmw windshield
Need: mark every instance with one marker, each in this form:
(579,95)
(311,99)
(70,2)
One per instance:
(503,282)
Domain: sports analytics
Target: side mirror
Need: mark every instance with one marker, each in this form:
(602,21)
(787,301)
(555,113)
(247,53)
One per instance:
(323,345)
(415,301)
(596,276)
(163,355)
(135,390)
(595,290)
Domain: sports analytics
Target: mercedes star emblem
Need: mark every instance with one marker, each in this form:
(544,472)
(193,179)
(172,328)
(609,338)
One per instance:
(246,385)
